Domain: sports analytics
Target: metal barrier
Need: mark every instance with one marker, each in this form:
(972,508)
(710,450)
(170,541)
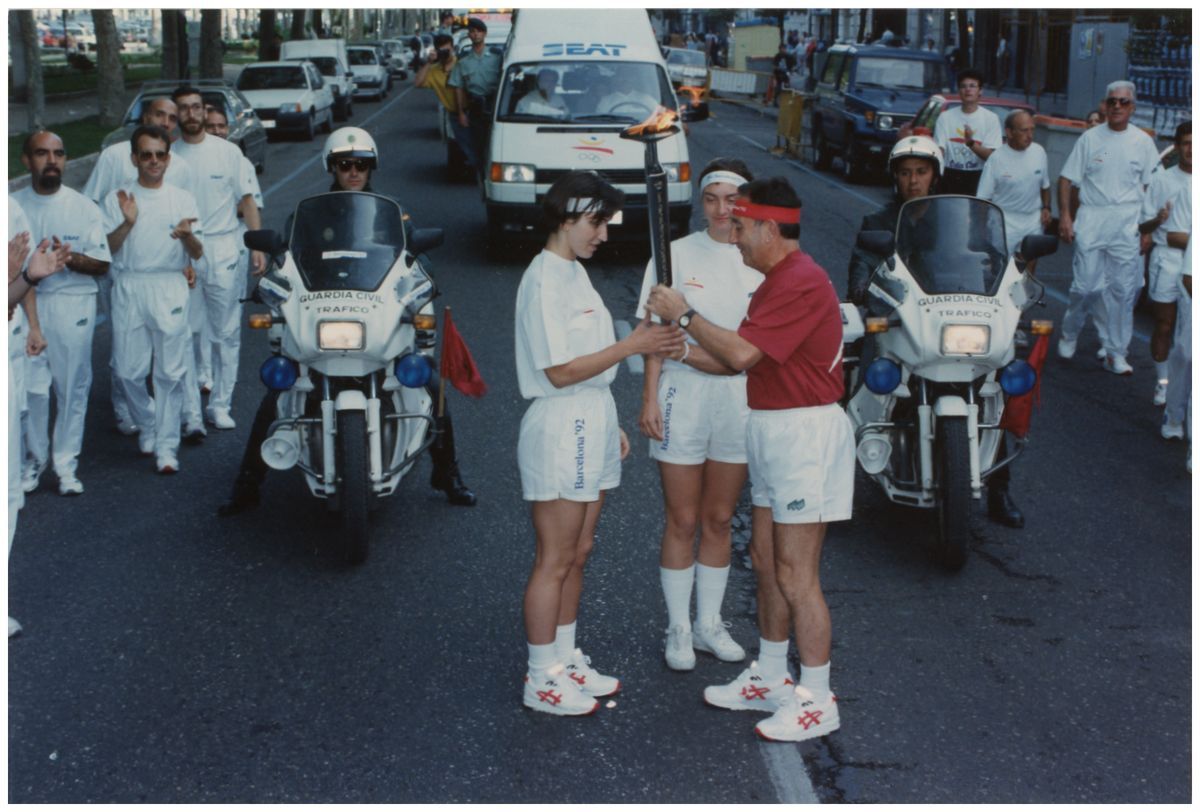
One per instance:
(724,80)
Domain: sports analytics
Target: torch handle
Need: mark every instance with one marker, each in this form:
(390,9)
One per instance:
(660,226)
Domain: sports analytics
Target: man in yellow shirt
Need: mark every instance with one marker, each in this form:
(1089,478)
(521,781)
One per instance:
(435,75)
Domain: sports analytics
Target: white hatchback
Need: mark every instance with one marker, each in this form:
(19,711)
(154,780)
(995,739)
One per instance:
(288,96)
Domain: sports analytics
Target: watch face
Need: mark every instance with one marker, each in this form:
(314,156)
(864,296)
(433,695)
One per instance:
(685,320)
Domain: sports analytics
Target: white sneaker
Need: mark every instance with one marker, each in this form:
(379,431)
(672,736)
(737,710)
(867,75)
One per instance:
(750,691)
(1160,393)
(1117,365)
(1066,347)
(713,638)
(550,691)
(69,485)
(1101,353)
(146,444)
(680,654)
(579,670)
(14,628)
(1170,430)
(167,464)
(206,382)
(31,475)
(221,418)
(194,433)
(800,717)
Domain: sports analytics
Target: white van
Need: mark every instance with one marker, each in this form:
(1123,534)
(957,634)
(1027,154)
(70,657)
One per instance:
(599,72)
(329,55)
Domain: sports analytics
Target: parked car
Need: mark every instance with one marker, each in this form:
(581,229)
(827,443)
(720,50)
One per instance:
(393,51)
(922,123)
(686,68)
(864,95)
(331,59)
(370,75)
(245,128)
(288,96)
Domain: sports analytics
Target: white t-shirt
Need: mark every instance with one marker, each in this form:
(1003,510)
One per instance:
(220,183)
(1111,168)
(948,133)
(17,222)
(712,277)
(1013,179)
(1166,185)
(560,316)
(115,170)
(149,248)
(74,219)
(250,182)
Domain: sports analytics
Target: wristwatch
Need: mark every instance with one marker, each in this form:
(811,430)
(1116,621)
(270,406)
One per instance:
(686,319)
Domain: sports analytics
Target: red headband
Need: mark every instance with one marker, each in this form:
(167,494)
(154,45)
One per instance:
(759,211)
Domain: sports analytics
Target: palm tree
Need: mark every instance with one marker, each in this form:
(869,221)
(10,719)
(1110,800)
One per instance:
(212,46)
(110,75)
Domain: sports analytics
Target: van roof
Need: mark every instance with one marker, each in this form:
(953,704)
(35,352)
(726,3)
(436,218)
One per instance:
(543,33)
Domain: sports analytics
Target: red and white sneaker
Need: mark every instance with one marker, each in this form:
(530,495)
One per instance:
(589,680)
(551,691)
(750,691)
(801,717)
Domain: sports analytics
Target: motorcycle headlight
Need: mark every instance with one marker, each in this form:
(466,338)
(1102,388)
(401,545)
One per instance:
(414,370)
(1017,378)
(278,373)
(966,339)
(885,122)
(882,376)
(341,335)
(513,173)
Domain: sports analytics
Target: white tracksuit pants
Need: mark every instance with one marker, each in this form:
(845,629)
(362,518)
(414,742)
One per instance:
(204,344)
(150,320)
(104,306)
(68,322)
(221,280)
(1107,275)
(17,334)
(1179,365)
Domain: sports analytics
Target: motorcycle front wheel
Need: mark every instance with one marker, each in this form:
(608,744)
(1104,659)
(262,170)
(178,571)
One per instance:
(953,454)
(354,485)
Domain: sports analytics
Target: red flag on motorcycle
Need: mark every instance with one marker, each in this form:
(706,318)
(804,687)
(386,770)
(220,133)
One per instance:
(1018,411)
(458,366)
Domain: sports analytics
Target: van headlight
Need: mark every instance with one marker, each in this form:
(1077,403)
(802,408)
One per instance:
(966,339)
(341,335)
(513,173)
(678,173)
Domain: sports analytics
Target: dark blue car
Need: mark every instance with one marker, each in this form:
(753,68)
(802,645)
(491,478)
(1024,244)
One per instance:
(865,93)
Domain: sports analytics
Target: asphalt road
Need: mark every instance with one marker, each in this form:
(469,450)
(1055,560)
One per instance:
(171,656)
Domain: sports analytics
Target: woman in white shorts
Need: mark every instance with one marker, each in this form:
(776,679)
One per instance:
(570,446)
(694,412)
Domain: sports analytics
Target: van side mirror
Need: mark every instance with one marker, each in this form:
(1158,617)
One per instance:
(1037,245)
(882,243)
(422,239)
(266,240)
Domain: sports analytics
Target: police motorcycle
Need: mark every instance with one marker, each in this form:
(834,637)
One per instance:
(943,309)
(352,339)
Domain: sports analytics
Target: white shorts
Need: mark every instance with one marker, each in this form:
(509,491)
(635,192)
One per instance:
(703,416)
(802,463)
(1166,266)
(570,447)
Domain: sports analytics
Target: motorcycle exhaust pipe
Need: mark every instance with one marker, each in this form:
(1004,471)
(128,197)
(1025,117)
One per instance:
(873,453)
(281,450)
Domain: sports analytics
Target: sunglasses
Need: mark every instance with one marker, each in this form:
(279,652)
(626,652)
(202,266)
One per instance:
(147,155)
(346,164)
(1113,101)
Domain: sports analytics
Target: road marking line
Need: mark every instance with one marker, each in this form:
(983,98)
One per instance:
(316,158)
(635,363)
(785,767)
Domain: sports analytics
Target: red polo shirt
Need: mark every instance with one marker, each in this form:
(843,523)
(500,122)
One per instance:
(796,321)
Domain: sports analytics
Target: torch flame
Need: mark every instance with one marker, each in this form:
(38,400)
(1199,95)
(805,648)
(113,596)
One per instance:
(659,121)
(695,92)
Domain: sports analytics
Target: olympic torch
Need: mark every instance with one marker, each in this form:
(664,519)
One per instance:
(660,125)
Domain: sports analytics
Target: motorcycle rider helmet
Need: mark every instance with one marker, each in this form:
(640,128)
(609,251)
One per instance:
(350,142)
(916,146)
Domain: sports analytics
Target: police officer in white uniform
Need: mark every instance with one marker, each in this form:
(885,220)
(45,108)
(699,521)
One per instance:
(220,193)
(153,232)
(65,307)
(570,446)
(1166,188)
(1111,164)
(694,411)
(1016,178)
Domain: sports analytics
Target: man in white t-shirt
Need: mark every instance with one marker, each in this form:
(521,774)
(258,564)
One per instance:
(220,194)
(63,309)
(1166,188)
(1016,179)
(1111,164)
(1179,391)
(967,136)
(153,231)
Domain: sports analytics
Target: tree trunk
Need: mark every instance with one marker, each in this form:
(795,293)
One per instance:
(212,47)
(266,34)
(297,24)
(171,45)
(36,98)
(110,76)
(318,22)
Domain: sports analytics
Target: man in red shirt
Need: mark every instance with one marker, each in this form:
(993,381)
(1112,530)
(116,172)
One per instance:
(801,452)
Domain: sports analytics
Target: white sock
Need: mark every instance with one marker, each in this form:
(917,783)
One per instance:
(710,593)
(1161,369)
(677,589)
(542,657)
(772,658)
(815,678)
(564,642)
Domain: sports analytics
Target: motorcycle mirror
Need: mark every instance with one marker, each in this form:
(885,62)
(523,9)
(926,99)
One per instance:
(422,239)
(877,242)
(265,240)
(1038,245)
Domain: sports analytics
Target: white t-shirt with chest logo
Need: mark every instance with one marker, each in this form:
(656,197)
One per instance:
(950,134)
(1014,179)
(74,219)
(220,181)
(1111,168)
(149,247)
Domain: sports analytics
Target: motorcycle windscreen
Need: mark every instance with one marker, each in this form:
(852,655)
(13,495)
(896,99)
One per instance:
(346,240)
(952,244)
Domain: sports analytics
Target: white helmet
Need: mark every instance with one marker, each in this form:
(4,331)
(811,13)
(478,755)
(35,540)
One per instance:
(350,142)
(916,146)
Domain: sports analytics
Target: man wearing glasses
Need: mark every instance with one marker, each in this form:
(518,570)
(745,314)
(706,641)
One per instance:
(1111,164)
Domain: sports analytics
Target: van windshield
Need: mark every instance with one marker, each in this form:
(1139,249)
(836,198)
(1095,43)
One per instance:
(621,92)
